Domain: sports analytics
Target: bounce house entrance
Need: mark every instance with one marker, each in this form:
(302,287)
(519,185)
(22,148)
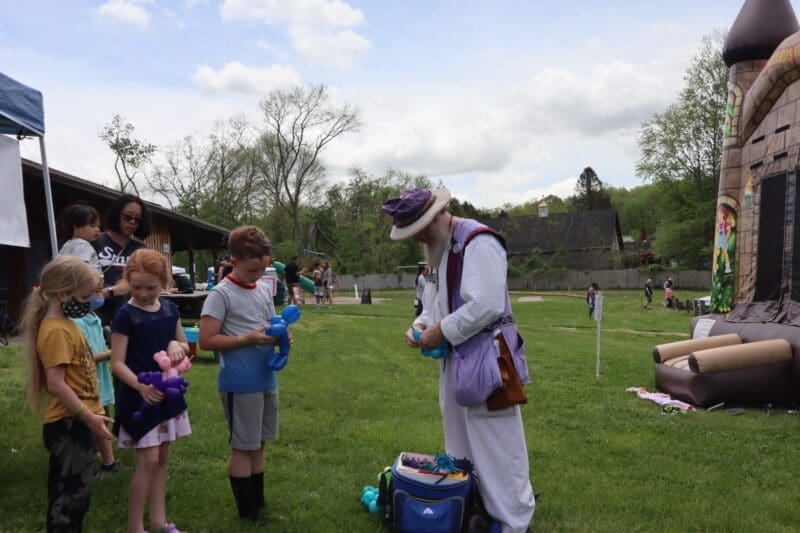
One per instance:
(771,231)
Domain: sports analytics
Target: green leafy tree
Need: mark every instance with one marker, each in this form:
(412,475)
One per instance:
(681,151)
(467,210)
(635,209)
(555,204)
(131,153)
(590,192)
(360,229)
(211,178)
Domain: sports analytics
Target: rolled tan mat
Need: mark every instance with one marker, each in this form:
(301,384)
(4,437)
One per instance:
(665,352)
(748,355)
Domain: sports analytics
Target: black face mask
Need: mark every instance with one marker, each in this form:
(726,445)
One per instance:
(76,309)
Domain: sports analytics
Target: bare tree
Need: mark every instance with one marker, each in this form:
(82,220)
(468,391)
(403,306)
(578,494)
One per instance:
(130,152)
(298,124)
(211,178)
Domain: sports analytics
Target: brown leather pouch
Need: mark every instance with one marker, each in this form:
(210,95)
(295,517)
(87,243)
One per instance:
(512,391)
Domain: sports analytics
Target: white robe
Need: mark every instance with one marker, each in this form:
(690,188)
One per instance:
(493,440)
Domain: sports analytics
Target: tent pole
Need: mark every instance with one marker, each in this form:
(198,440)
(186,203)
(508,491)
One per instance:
(48,195)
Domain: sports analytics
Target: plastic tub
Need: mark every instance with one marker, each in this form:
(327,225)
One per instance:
(191,334)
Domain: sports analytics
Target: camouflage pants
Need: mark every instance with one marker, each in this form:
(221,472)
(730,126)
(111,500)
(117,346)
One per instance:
(69,480)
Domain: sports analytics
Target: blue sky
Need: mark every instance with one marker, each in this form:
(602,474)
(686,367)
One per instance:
(503,101)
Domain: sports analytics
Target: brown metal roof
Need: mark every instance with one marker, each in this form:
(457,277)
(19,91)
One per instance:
(583,230)
(185,231)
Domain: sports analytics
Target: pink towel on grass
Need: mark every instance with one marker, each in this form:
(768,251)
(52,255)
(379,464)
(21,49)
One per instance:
(660,398)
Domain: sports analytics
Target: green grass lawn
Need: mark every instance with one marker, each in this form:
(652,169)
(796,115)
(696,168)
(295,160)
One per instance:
(354,396)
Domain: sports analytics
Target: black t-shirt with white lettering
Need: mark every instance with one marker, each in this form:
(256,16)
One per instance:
(113,259)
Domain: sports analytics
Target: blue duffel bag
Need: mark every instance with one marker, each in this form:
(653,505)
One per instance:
(428,499)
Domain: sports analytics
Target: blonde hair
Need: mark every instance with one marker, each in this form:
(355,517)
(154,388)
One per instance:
(64,275)
(150,262)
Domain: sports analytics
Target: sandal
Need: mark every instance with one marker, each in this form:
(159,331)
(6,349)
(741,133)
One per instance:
(169,528)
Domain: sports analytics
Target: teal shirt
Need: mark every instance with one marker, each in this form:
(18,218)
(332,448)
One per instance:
(92,330)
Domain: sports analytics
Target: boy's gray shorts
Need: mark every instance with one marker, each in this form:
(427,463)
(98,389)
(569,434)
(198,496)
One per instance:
(252,417)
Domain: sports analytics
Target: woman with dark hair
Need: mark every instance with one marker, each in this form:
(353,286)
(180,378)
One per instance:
(128,217)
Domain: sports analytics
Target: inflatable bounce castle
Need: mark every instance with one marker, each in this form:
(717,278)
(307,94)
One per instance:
(748,349)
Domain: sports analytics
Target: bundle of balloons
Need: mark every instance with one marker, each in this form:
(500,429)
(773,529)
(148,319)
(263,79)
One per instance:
(371,495)
(443,350)
(369,498)
(279,327)
(167,381)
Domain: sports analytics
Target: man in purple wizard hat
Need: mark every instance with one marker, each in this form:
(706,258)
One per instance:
(466,304)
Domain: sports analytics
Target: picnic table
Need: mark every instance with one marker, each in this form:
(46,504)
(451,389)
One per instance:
(189,304)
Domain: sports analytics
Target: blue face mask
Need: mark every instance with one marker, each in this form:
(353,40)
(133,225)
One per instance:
(96,302)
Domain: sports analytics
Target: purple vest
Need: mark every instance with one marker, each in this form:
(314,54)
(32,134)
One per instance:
(476,372)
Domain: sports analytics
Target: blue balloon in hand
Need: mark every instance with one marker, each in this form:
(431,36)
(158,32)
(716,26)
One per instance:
(279,328)
(443,350)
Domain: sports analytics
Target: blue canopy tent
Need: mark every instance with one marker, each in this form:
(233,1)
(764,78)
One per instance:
(22,114)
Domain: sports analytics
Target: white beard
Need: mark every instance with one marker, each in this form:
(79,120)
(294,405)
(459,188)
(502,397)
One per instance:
(435,250)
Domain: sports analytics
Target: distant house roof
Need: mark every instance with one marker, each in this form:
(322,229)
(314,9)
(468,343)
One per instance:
(584,230)
(186,232)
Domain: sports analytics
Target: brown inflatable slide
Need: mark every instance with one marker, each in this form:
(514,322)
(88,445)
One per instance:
(722,368)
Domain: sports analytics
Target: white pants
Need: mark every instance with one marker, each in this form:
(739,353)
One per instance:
(495,443)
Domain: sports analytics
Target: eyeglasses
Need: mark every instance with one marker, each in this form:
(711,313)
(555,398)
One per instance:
(131,218)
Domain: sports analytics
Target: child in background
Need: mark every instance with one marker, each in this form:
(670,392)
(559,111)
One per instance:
(669,298)
(319,291)
(648,293)
(327,283)
(83,223)
(591,294)
(61,363)
(143,326)
(92,331)
(233,320)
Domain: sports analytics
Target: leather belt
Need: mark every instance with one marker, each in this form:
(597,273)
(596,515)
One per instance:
(499,323)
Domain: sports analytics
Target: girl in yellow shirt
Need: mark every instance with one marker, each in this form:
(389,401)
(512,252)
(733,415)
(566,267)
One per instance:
(62,365)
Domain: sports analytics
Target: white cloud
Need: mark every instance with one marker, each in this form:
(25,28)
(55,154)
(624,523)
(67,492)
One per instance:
(277,51)
(76,113)
(512,145)
(321,31)
(611,96)
(124,11)
(422,132)
(509,188)
(178,21)
(332,48)
(668,30)
(236,77)
(326,13)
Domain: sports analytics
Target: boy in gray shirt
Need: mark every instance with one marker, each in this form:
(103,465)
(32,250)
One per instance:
(234,317)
